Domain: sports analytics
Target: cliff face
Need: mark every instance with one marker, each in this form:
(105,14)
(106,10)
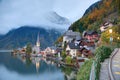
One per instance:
(98,13)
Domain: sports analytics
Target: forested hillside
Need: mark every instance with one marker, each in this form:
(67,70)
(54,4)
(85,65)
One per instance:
(98,13)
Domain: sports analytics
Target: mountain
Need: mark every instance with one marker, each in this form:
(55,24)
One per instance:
(20,37)
(97,14)
(53,17)
(1,36)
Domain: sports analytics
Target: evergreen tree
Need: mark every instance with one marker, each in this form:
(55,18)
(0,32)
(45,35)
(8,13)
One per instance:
(117,4)
(29,49)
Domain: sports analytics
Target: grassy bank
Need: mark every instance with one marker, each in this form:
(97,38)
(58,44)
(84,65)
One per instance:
(84,71)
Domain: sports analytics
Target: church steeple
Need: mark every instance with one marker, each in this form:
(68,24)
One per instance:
(38,41)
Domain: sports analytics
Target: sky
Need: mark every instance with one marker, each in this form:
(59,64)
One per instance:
(16,13)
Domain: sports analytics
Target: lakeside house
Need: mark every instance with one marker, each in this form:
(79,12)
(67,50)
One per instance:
(50,51)
(72,49)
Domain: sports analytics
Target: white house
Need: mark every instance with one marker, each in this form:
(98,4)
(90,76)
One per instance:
(72,49)
(48,50)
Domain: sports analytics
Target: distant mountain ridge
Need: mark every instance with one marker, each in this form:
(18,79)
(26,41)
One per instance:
(20,37)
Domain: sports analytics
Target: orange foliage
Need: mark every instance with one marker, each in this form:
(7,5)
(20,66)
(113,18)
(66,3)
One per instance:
(99,13)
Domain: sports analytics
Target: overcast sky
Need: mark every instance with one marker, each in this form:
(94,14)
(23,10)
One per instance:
(16,13)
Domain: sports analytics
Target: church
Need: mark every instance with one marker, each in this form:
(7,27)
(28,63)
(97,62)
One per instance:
(36,48)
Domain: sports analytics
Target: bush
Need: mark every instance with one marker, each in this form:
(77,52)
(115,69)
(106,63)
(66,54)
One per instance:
(63,54)
(68,60)
(102,53)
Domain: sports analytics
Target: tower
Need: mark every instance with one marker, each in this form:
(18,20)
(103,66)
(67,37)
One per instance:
(38,44)
(38,41)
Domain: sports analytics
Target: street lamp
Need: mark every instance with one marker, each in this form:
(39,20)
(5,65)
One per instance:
(110,31)
(111,38)
(118,38)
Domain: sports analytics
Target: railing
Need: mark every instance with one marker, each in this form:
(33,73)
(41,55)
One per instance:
(110,64)
(92,74)
(95,69)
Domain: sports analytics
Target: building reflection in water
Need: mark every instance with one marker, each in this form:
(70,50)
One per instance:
(30,60)
(36,61)
(37,67)
(69,73)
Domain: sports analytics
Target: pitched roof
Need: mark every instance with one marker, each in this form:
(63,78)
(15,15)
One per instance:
(90,33)
(71,33)
(73,46)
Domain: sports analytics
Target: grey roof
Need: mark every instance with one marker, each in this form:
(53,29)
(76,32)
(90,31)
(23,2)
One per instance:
(90,33)
(78,38)
(71,33)
(73,46)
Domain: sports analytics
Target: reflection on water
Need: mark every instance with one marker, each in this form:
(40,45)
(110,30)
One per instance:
(37,66)
(21,68)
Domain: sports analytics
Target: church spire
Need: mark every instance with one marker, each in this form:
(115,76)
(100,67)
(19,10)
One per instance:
(38,41)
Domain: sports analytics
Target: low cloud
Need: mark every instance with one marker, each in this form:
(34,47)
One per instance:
(16,13)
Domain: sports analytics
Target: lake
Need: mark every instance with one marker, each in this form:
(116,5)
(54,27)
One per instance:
(19,68)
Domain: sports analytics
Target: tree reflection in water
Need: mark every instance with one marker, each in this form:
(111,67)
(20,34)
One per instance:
(70,73)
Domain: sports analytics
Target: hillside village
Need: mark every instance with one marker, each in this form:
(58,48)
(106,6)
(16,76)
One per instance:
(74,50)
(78,42)
(74,46)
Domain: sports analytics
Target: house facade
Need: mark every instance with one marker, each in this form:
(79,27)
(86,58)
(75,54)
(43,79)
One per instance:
(69,36)
(72,49)
(105,26)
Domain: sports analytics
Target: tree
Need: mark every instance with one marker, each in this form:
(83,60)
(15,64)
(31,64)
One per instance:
(60,39)
(68,59)
(105,36)
(118,5)
(29,49)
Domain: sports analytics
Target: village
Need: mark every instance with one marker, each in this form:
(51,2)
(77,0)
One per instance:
(73,50)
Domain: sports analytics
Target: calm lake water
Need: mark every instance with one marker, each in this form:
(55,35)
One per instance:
(20,68)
